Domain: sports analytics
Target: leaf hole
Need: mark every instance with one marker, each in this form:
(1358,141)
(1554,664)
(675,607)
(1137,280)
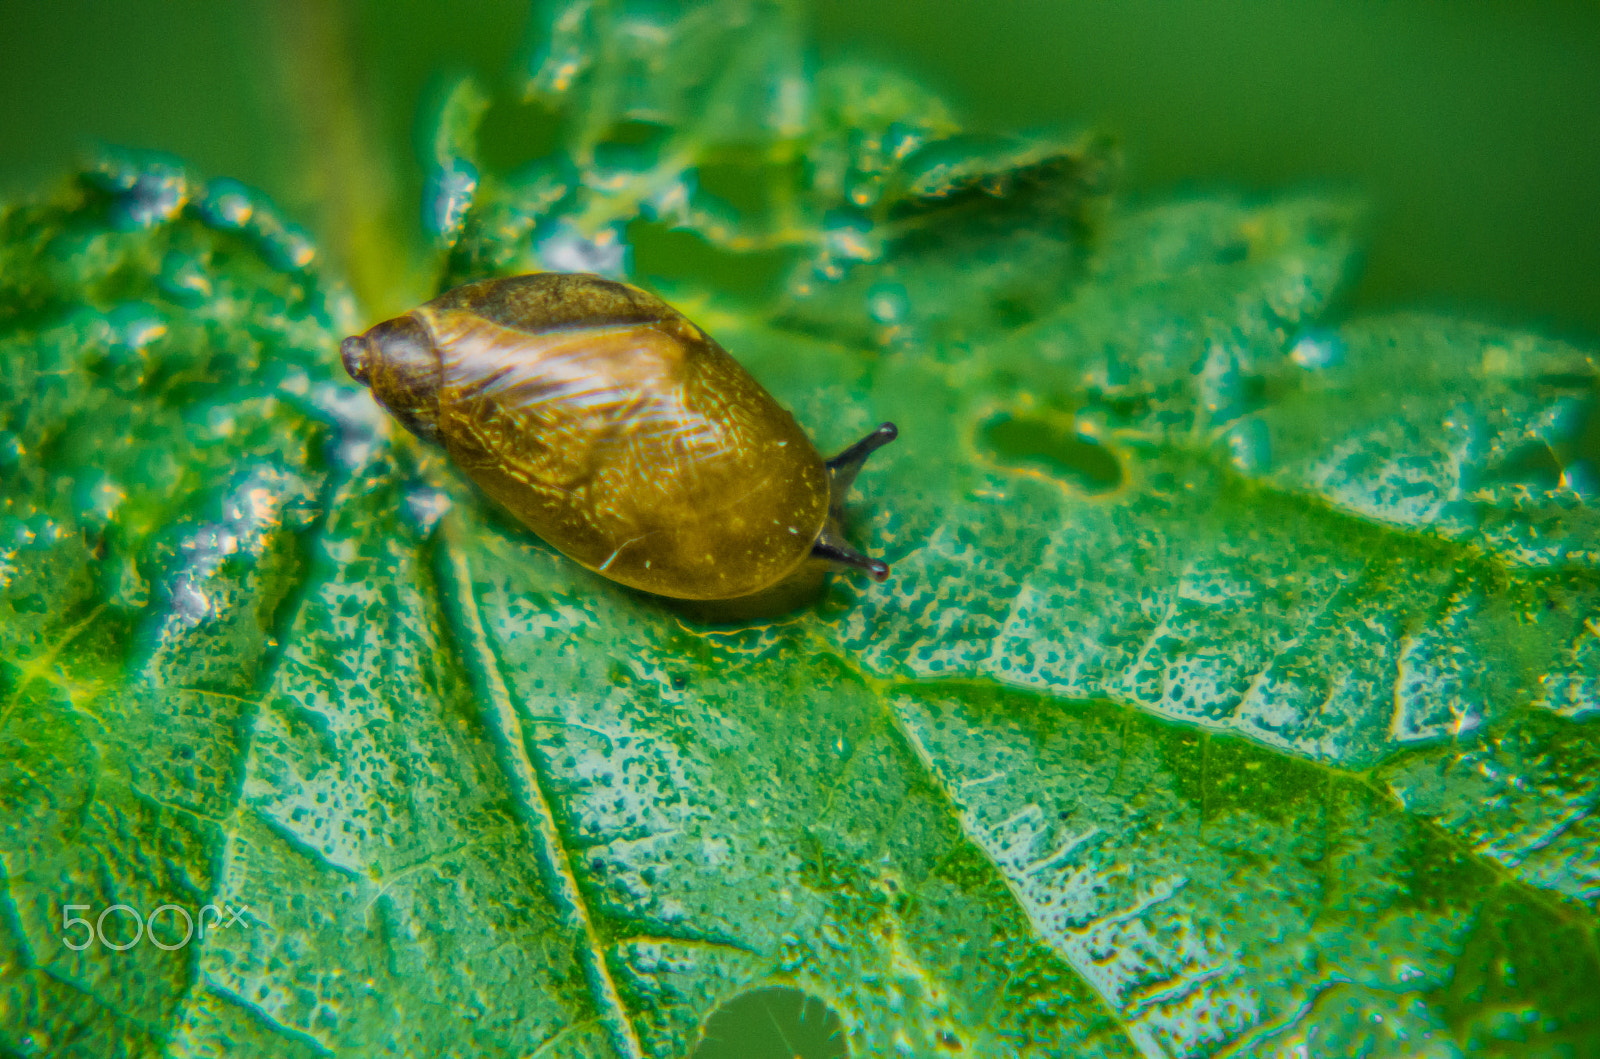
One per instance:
(774,1023)
(681,256)
(1024,441)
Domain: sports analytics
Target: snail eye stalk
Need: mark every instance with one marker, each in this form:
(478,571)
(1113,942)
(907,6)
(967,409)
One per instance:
(842,471)
(843,468)
(834,550)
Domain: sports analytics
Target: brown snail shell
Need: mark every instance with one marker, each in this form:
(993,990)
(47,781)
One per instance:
(618,431)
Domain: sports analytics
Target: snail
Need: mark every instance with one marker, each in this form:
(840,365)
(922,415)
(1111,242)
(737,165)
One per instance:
(620,433)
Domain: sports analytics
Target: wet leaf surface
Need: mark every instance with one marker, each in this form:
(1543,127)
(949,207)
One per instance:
(1235,691)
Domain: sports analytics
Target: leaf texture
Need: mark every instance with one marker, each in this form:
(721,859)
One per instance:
(1235,691)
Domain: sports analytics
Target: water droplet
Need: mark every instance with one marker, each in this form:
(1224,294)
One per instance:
(295,381)
(134,326)
(286,247)
(184,279)
(568,250)
(847,237)
(671,199)
(148,189)
(1249,446)
(227,204)
(900,141)
(1221,384)
(1580,477)
(864,193)
(1564,418)
(38,531)
(97,497)
(189,603)
(424,506)
(220,421)
(888,303)
(556,71)
(359,420)
(1317,350)
(448,197)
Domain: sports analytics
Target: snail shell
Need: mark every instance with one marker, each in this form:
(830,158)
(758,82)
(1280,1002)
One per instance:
(618,431)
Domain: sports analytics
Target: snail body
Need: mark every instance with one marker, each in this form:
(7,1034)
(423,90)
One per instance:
(618,431)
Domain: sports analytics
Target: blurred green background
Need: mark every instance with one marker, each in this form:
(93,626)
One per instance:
(1474,127)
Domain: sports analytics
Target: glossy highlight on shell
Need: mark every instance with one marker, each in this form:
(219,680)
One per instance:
(619,432)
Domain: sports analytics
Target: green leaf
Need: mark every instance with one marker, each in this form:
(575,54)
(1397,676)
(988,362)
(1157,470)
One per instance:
(1235,691)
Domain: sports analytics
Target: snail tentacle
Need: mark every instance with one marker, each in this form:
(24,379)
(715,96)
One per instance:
(831,547)
(843,468)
